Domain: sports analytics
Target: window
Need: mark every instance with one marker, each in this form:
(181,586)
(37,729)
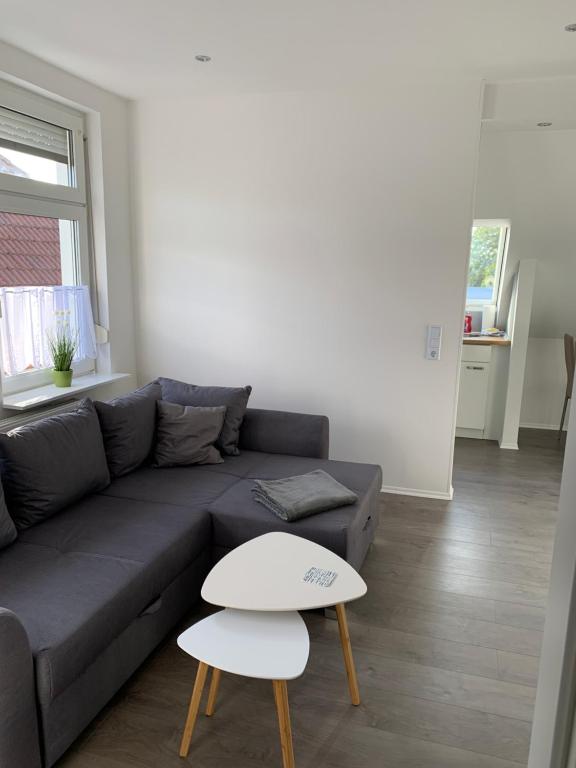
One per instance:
(44,262)
(34,149)
(487,256)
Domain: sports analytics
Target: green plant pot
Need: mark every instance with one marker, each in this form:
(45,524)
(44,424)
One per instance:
(62,378)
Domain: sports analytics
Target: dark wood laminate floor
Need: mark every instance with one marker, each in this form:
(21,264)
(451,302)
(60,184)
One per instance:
(446,644)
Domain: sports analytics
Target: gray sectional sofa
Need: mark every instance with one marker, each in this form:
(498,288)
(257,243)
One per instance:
(88,593)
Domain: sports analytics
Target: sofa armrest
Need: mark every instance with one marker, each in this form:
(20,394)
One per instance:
(295,434)
(19,740)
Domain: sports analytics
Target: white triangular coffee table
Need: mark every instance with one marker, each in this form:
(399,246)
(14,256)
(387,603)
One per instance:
(264,645)
(283,572)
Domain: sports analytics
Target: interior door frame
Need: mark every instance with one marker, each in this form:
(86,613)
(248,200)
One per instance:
(552,730)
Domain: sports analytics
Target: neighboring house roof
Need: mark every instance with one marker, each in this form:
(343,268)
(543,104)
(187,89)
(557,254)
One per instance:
(7,166)
(29,249)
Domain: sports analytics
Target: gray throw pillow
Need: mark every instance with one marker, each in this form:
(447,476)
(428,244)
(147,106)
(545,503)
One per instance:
(128,425)
(8,532)
(234,398)
(52,463)
(186,434)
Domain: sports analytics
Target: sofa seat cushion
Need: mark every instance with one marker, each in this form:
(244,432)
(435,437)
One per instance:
(78,580)
(237,517)
(164,536)
(193,486)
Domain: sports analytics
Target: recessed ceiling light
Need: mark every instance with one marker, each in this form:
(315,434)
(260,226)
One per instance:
(543,125)
(570,27)
(203,58)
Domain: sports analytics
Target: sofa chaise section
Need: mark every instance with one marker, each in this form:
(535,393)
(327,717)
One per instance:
(348,531)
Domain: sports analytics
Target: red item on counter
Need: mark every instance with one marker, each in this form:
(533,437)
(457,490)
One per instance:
(467,323)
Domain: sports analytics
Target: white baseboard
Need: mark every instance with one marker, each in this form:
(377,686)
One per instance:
(419,493)
(553,427)
(475,434)
(509,446)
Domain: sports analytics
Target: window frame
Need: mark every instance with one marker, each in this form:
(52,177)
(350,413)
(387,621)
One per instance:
(503,242)
(37,198)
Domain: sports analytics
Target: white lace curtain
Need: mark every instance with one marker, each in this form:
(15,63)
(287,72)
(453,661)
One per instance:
(31,313)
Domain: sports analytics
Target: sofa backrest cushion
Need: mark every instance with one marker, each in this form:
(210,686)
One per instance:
(52,463)
(294,434)
(128,426)
(8,532)
(234,398)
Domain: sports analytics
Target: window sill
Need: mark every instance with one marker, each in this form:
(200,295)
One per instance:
(34,398)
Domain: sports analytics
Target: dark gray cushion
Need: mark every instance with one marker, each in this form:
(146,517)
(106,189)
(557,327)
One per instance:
(186,434)
(128,425)
(234,398)
(8,532)
(77,580)
(52,463)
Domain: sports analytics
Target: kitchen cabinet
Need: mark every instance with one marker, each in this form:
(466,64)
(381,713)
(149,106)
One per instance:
(475,384)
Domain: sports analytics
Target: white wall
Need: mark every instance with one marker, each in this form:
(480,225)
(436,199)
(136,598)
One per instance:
(529,176)
(544,384)
(301,242)
(107,131)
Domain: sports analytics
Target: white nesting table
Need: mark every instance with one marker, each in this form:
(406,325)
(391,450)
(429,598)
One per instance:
(272,573)
(270,646)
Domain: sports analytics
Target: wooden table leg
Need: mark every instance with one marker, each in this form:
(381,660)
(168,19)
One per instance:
(281,698)
(193,708)
(347,650)
(213,691)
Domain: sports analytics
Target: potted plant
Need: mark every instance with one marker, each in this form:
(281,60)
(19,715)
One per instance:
(62,348)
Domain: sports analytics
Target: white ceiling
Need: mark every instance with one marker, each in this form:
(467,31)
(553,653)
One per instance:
(521,105)
(141,48)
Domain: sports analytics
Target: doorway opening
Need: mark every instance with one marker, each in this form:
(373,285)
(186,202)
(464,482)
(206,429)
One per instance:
(517,369)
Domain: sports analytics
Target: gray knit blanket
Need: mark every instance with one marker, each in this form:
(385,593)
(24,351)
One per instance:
(293,498)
